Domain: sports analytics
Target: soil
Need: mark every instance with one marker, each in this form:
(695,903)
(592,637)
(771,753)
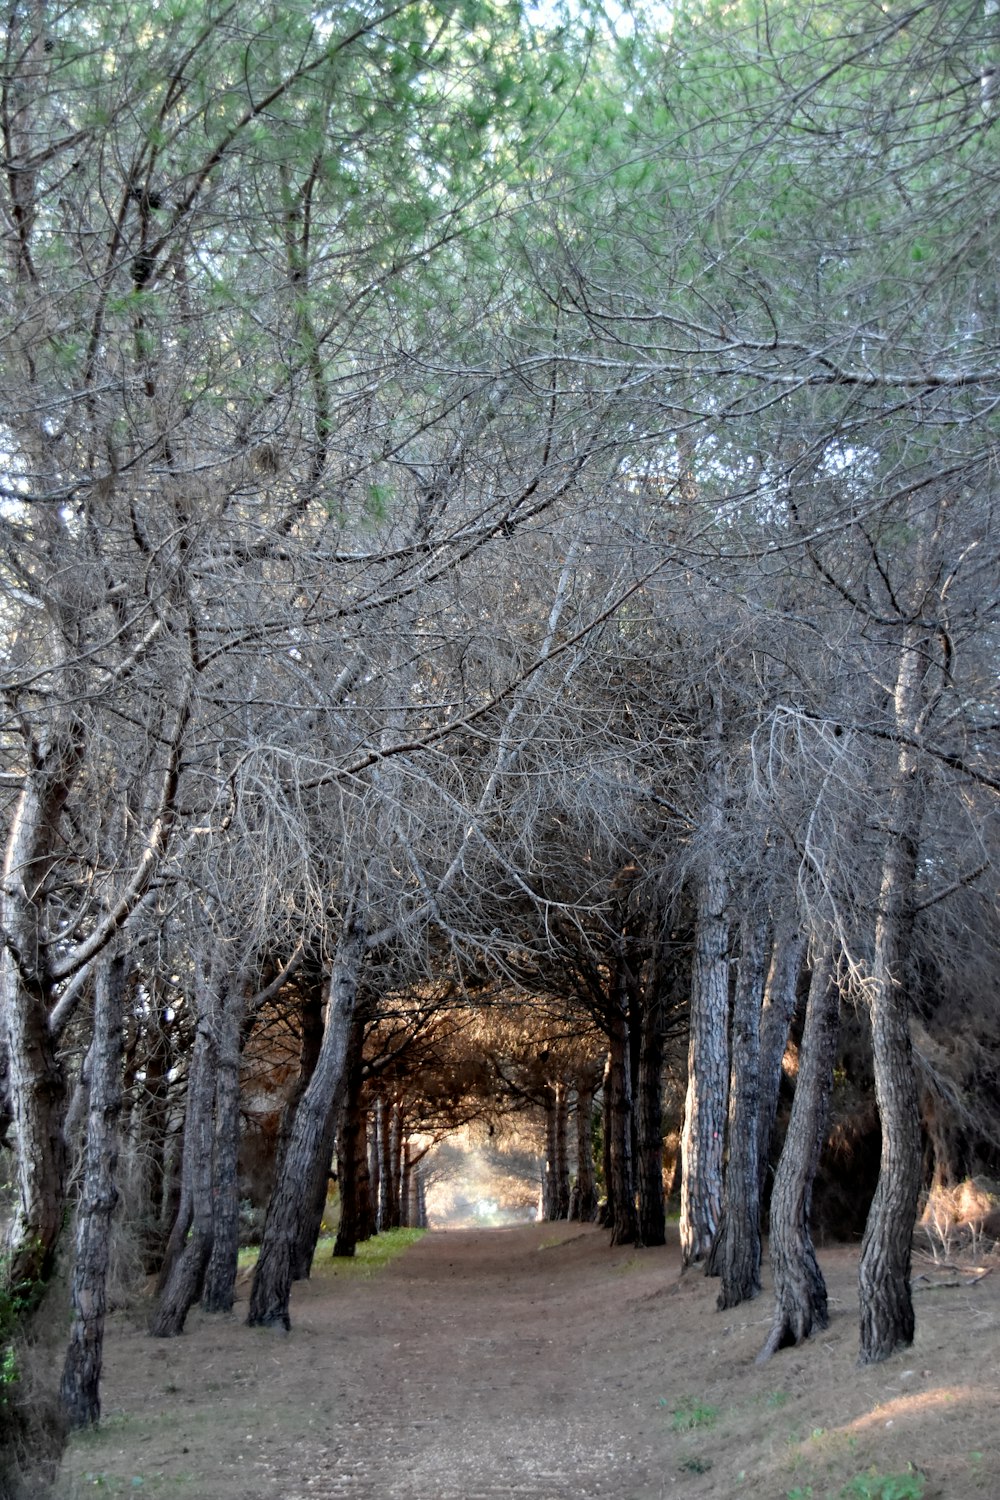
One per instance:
(537,1362)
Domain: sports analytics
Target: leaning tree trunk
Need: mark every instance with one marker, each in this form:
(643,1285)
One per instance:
(799,1288)
(219,1291)
(887,1320)
(191,1239)
(652,1220)
(80,1386)
(780,995)
(738,1253)
(272,1282)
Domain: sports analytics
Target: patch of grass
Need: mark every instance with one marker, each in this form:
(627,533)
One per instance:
(696,1465)
(691,1414)
(369,1257)
(776,1400)
(871,1485)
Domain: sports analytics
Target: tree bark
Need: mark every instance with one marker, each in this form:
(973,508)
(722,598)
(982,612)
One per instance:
(780,996)
(621,1185)
(887,1319)
(352,1147)
(708,1071)
(219,1292)
(190,1242)
(652,1222)
(36,1077)
(80,1386)
(375,1163)
(799,1288)
(739,1252)
(272,1280)
(585,1192)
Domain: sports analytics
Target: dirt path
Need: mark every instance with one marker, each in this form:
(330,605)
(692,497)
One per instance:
(537,1362)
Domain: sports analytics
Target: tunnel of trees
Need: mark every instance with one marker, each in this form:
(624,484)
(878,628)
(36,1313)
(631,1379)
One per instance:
(500,590)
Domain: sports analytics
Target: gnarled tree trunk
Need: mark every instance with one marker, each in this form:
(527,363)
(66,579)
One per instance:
(272,1282)
(80,1386)
(799,1288)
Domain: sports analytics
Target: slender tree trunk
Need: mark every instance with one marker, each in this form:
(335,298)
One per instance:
(396,1134)
(649,1117)
(621,1194)
(780,996)
(219,1292)
(887,1319)
(708,1071)
(80,1386)
(351,1144)
(562,1150)
(585,1195)
(549,1169)
(151,1126)
(405,1185)
(799,1288)
(272,1281)
(739,1254)
(375,1163)
(366,1204)
(385,1209)
(606,1214)
(190,1247)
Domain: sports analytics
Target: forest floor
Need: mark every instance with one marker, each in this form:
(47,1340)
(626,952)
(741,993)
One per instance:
(537,1362)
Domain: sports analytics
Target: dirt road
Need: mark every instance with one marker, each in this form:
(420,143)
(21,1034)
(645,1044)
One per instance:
(537,1362)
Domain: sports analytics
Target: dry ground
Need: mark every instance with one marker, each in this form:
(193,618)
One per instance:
(537,1362)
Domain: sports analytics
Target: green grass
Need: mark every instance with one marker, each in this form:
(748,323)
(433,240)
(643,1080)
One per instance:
(691,1414)
(369,1257)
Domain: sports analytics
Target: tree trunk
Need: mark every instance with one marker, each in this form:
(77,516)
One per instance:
(80,1386)
(562,1151)
(310,1042)
(585,1193)
(150,1141)
(367,1226)
(385,1208)
(191,1239)
(352,1147)
(36,1078)
(887,1320)
(799,1288)
(219,1292)
(375,1163)
(549,1169)
(708,1071)
(739,1253)
(272,1280)
(649,1116)
(780,996)
(621,1184)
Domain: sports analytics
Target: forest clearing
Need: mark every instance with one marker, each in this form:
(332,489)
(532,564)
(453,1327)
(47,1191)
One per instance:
(538,1362)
